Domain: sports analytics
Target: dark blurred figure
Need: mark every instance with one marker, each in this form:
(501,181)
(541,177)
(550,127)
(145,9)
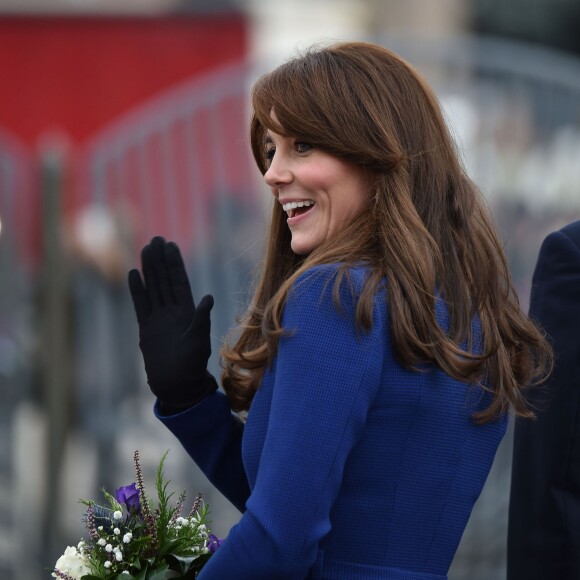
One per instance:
(104,353)
(544,515)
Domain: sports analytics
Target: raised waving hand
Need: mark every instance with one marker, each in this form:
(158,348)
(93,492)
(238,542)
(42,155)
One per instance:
(174,333)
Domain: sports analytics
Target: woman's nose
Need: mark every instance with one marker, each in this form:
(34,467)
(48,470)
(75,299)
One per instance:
(279,173)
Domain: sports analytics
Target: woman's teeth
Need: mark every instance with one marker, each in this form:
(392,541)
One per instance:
(291,206)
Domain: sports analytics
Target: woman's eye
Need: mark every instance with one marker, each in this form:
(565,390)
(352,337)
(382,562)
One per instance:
(302,147)
(269,155)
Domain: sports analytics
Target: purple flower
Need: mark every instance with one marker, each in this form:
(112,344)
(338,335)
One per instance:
(213,543)
(129,495)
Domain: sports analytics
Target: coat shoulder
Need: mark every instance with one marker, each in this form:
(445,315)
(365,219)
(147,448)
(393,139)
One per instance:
(572,231)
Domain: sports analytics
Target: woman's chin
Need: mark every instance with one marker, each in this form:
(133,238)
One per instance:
(301,247)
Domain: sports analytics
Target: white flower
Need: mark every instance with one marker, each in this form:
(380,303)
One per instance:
(116,531)
(117,515)
(108,548)
(185,522)
(127,538)
(102,542)
(107,564)
(73,563)
(100,528)
(125,572)
(119,557)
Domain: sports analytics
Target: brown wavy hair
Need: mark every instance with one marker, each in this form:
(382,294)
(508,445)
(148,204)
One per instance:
(426,227)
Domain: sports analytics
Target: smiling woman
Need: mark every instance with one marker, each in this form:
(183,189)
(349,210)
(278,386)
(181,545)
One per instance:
(384,346)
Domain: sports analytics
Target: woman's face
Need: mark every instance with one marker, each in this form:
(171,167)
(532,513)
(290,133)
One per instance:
(320,193)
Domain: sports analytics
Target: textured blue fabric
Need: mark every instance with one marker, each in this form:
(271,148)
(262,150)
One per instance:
(349,465)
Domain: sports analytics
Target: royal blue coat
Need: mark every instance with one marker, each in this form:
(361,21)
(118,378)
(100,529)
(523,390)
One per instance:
(349,466)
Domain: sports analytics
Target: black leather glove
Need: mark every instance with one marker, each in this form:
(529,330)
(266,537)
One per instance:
(174,335)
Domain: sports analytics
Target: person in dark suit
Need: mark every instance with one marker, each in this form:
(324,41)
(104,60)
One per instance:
(544,513)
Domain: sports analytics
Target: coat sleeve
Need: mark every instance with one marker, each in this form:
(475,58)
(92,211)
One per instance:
(326,378)
(212,436)
(543,538)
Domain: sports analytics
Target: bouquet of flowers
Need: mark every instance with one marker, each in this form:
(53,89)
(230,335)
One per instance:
(130,538)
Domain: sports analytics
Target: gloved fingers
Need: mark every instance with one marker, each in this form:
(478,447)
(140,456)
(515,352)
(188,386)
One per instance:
(202,320)
(139,295)
(150,277)
(177,275)
(160,270)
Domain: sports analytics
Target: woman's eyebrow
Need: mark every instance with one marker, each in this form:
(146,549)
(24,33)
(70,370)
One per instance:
(268,139)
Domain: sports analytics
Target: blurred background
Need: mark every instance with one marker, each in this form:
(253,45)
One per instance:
(123,120)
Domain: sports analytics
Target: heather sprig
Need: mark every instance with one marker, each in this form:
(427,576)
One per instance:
(178,506)
(148,516)
(90,521)
(196,505)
